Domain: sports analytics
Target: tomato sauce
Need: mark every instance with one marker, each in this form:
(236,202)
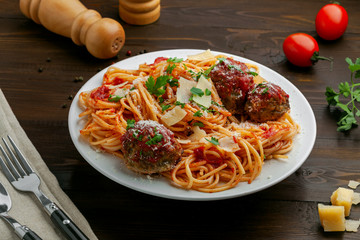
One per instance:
(230,76)
(100,93)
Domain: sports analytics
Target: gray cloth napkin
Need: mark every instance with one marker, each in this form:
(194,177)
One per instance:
(25,207)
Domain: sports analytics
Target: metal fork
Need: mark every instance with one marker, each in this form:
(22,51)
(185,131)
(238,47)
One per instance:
(21,231)
(18,171)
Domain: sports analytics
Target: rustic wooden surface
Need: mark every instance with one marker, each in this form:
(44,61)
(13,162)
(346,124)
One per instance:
(37,72)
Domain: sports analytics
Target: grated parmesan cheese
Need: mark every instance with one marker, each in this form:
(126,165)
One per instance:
(356,198)
(204,100)
(173,116)
(353,184)
(201,56)
(183,93)
(227,143)
(121,92)
(197,135)
(352,225)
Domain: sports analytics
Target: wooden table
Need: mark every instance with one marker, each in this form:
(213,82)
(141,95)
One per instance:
(38,72)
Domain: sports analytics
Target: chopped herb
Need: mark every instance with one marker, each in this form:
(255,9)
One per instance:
(182,105)
(173,82)
(137,136)
(114,98)
(207,92)
(197,91)
(130,123)
(235,67)
(175,60)
(200,124)
(198,114)
(216,104)
(156,139)
(265,90)
(261,85)
(221,59)
(207,71)
(252,73)
(161,99)
(213,141)
(170,68)
(165,107)
(133,88)
(156,87)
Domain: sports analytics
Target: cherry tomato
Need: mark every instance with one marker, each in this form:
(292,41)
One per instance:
(302,50)
(331,21)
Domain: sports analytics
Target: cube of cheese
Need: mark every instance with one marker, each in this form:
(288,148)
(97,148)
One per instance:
(332,218)
(343,197)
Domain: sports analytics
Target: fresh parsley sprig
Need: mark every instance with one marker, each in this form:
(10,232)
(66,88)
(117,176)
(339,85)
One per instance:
(213,140)
(349,90)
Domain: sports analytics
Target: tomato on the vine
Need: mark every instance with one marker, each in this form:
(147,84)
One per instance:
(331,21)
(302,50)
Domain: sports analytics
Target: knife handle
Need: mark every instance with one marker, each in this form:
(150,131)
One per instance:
(30,235)
(67,226)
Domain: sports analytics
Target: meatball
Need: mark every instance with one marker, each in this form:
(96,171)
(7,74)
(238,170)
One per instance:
(149,147)
(232,81)
(266,102)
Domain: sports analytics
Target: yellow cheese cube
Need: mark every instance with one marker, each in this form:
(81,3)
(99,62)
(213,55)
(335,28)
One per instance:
(343,197)
(332,218)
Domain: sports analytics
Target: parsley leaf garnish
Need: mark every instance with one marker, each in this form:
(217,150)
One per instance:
(197,91)
(175,60)
(157,87)
(114,98)
(347,90)
(207,92)
(165,107)
(156,139)
(200,124)
(130,123)
(170,68)
(173,82)
(198,114)
(213,140)
(182,105)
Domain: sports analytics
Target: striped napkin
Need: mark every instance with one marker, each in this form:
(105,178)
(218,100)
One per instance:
(25,207)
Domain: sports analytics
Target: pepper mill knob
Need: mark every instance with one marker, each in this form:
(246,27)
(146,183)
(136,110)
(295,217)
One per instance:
(139,12)
(103,37)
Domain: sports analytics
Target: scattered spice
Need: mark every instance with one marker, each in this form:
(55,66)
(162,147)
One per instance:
(48,59)
(128,53)
(40,69)
(78,79)
(64,105)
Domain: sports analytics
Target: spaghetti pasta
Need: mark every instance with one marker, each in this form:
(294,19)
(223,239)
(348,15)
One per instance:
(219,149)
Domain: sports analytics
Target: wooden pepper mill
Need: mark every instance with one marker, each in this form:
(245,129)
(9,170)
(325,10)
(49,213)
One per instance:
(139,12)
(103,37)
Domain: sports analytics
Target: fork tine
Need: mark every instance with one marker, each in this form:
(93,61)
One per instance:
(18,167)
(21,156)
(4,168)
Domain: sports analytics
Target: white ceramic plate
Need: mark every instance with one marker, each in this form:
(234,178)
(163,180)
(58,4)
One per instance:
(273,171)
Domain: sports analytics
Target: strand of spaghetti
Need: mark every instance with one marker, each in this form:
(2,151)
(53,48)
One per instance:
(148,101)
(218,169)
(101,122)
(134,109)
(242,142)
